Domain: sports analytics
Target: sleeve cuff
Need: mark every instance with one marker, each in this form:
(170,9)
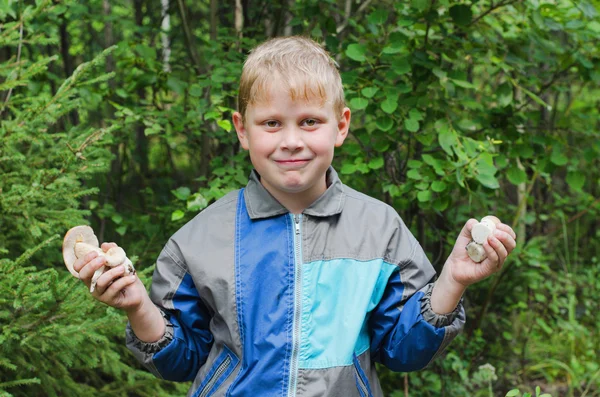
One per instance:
(433,318)
(153,347)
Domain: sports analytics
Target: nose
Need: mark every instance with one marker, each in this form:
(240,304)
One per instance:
(292,139)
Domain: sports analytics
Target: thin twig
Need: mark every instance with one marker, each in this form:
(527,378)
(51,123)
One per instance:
(18,65)
(344,25)
(492,8)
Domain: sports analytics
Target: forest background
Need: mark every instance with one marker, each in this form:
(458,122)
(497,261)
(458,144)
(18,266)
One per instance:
(117,114)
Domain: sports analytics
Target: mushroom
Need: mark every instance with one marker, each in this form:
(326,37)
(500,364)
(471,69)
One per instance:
(81,240)
(480,233)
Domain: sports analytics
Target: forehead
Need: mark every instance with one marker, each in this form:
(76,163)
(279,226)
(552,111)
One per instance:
(297,91)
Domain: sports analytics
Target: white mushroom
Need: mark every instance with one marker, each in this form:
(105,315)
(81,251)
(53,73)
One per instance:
(81,240)
(476,251)
(480,234)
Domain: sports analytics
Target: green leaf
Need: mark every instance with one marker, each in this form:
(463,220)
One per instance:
(392,49)
(378,17)
(488,181)
(424,196)
(356,52)
(384,123)
(182,193)
(461,14)
(536,98)
(121,230)
(177,215)
(515,175)
(504,93)
(348,168)
(414,114)
(576,180)
(411,125)
(558,157)
(401,66)
(441,203)
(376,163)
(116,218)
(446,137)
(196,202)
(463,83)
(414,174)
(359,103)
(421,5)
(196,90)
(439,73)
(438,186)
(513,392)
(225,124)
(369,92)
(389,105)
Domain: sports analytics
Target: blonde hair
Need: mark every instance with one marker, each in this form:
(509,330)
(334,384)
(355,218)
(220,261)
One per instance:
(299,63)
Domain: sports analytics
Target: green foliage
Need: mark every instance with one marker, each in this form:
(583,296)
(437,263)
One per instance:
(458,110)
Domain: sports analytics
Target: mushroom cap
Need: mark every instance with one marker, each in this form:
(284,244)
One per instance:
(476,252)
(492,218)
(82,234)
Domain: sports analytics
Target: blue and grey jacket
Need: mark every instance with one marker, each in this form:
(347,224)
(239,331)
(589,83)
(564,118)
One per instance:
(261,302)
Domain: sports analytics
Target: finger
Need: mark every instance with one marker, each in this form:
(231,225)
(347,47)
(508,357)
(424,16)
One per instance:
(507,229)
(506,239)
(88,270)
(116,287)
(492,260)
(108,277)
(501,252)
(466,230)
(106,246)
(81,262)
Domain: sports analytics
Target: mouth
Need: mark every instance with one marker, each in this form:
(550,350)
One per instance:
(293,162)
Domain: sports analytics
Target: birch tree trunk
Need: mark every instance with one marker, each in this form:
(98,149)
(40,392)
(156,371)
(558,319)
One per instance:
(165,27)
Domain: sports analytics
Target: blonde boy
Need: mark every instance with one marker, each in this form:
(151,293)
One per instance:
(296,284)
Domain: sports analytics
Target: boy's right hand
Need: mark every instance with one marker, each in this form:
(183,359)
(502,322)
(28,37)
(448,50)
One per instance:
(112,288)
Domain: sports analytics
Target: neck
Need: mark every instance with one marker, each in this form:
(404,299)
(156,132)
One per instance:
(298,202)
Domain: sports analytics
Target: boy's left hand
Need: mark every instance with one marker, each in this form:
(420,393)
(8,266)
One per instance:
(497,247)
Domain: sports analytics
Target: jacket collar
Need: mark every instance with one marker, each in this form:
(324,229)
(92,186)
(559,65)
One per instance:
(261,204)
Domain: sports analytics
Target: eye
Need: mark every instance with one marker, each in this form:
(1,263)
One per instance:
(310,122)
(271,123)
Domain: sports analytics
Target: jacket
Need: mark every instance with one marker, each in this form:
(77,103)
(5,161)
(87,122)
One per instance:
(261,302)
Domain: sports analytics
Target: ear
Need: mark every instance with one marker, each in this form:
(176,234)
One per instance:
(242,134)
(343,127)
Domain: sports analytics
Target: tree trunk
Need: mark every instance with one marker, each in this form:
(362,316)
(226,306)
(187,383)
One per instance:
(288,29)
(141,149)
(67,60)
(165,27)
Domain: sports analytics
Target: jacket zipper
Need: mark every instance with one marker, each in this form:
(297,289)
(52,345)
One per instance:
(215,377)
(297,304)
(361,383)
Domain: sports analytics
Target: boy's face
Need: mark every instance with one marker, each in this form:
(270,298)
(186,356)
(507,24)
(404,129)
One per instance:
(291,143)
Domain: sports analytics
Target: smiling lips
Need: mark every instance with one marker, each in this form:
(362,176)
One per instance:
(292,162)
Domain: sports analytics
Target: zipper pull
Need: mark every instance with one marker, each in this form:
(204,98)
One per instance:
(297,219)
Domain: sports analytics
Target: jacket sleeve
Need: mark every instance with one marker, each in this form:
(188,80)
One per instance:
(184,347)
(406,335)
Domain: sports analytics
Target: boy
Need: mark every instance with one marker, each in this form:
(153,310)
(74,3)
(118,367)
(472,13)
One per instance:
(297,284)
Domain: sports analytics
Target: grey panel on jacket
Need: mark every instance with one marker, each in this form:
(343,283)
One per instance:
(350,235)
(337,381)
(203,248)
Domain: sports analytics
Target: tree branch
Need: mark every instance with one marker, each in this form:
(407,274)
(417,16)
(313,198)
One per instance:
(18,66)
(344,25)
(492,8)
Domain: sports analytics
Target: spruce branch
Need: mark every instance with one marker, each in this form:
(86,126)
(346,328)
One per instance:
(30,252)
(18,63)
